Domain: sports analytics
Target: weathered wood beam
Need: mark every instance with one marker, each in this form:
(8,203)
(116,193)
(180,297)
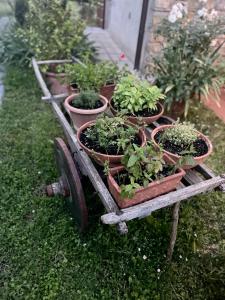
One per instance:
(146,208)
(40,79)
(56,61)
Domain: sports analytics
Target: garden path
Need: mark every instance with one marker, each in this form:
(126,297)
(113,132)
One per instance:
(4,21)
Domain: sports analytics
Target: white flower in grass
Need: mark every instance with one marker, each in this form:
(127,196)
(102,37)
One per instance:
(139,249)
(158,270)
(144,257)
(180,256)
(33,211)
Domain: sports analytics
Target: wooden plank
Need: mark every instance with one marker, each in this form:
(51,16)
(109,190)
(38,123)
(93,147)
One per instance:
(58,98)
(78,61)
(40,79)
(192,177)
(87,164)
(208,173)
(173,235)
(56,61)
(146,208)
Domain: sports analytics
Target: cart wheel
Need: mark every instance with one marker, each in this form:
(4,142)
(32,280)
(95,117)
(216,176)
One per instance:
(71,184)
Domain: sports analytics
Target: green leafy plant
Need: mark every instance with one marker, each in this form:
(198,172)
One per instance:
(133,95)
(185,68)
(86,100)
(142,165)
(112,132)
(92,76)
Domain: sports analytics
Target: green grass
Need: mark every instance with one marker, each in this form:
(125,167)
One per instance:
(42,256)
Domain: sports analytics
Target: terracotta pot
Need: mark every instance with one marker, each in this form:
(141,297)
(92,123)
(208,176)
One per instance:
(198,160)
(154,189)
(107,90)
(140,120)
(82,116)
(101,158)
(72,89)
(54,82)
(176,110)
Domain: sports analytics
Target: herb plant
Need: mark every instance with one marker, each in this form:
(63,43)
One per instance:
(86,100)
(133,95)
(93,76)
(181,134)
(112,132)
(185,68)
(143,165)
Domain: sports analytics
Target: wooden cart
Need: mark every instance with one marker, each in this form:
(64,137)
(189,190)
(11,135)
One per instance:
(74,163)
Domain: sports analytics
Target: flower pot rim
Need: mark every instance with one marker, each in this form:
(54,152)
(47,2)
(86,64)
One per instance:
(91,123)
(136,118)
(52,74)
(151,184)
(204,137)
(85,111)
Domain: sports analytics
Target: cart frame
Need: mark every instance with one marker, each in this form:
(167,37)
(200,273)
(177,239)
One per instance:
(199,180)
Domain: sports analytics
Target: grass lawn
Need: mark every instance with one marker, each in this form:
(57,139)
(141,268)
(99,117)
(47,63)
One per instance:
(42,256)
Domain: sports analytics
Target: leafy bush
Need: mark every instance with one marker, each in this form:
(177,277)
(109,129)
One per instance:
(181,134)
(14,49)
(92,76)
(185,67)
(112,132)
(143,165)
(132,95)
(86,100)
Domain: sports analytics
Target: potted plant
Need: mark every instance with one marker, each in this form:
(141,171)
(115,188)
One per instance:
(85,106)
(138,100)
(182,141)
(144,174)
(106,139)
(185,67)
(100,77)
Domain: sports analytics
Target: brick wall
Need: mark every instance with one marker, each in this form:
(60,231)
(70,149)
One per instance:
(161,10)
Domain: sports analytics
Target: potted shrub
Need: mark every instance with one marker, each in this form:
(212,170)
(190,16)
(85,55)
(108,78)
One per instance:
(106,139)
(100,77)
(185,67)
(85,106)
(144,174)
(138,100)
(182,141)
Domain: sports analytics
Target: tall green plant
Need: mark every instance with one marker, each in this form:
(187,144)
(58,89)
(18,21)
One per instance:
(185,68)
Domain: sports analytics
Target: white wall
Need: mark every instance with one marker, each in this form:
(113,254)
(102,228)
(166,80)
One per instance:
(123,21)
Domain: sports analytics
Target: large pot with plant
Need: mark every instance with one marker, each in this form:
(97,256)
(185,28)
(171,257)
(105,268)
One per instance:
(85,106)
(106,139)
(100,77)
(138,100)
(185,67)
(145,173)
(182,143)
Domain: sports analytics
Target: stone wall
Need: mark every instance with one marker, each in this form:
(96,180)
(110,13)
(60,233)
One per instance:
(159,10)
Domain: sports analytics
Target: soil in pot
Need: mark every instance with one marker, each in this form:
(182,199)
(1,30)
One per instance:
(144,113)
(200,146)
(86,105)
(111,149)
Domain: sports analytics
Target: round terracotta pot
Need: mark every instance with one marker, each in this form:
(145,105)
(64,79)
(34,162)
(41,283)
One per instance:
(73,90)
(101,158)
(54,82)
(176,110)
(198,160)
(140,120)
(107,90)
(82,116)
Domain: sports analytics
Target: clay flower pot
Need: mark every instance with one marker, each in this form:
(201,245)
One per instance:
(54,82)
(107,90)
(101,158)
(198,160)
(154,189)
(140,120)
(82,116)
(73,89)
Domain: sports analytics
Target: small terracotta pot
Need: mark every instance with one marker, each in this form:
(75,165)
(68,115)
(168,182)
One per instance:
(82,116)
(176,110)
(107,90)
(54,81)
(198,160)
(73,90)
(101,158)
(154,189)
(140,120)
